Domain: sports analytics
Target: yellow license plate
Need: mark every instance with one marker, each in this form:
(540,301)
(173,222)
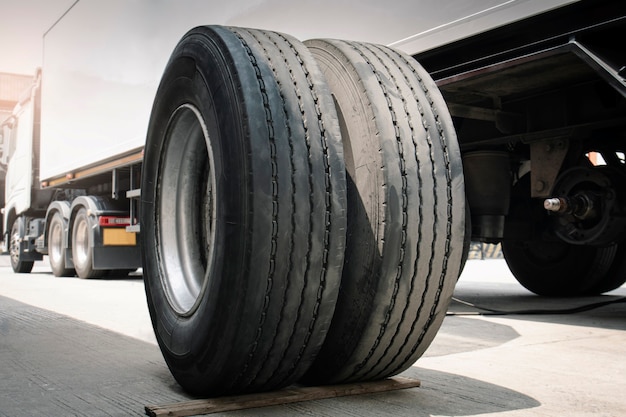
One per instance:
(118,236)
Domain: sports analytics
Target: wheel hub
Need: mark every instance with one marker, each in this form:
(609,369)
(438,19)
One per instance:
(588,209)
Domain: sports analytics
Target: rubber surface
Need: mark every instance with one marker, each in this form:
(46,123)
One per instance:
(56,255)
(84,268)
(406,212)
(615,276)
(242,271)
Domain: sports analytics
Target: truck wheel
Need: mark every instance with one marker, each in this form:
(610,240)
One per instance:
(615,276)
(243,211)
(546,265)
(613,155)
(406,212)
(56,251)
(19,265)
(557,269)
(82,251)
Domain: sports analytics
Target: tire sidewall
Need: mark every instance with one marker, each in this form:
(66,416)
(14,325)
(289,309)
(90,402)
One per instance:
(82,269)
(184,338)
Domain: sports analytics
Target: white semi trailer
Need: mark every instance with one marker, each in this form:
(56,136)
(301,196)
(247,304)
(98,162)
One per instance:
(299,209)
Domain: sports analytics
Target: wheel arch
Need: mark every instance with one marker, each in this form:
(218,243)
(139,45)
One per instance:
(95,206)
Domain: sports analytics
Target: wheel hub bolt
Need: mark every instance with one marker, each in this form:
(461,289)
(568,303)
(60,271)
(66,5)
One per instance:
(554,204)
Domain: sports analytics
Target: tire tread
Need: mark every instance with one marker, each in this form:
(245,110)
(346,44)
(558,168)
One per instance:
(418,262)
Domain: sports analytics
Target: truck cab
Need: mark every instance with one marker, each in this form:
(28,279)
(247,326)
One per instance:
(23,198)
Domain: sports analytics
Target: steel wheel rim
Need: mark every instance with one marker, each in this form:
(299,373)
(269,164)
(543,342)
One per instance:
(186,210)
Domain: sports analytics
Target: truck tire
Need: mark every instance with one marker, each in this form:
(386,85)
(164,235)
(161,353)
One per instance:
(56,249)
(242,211)
(406,212)
(616,275)
(18,264)
(551,267)
(612,153)
(82,250)
(555,268)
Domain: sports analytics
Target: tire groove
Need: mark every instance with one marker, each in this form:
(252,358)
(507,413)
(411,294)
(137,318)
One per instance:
(447,246)
(272,261)
(389,54)
(402,165)
(283,312)
(328,218)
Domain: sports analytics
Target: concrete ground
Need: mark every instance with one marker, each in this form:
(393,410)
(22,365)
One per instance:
(85,347)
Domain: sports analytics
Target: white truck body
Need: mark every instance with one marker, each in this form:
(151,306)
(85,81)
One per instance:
(103,60)
(102,63)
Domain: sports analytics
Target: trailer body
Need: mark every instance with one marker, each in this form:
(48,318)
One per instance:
(90,106)
(99,87)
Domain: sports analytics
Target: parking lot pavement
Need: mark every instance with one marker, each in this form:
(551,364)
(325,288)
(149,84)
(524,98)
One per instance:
(85,347)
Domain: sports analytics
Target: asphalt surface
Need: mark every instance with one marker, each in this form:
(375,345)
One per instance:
(85,348)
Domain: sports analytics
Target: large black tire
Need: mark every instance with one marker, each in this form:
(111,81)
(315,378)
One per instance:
(18,264)
(243,211)
(82,249)
(467,243)
(56,249)
(547,266)
(557,269)
(615,276)
(406,212)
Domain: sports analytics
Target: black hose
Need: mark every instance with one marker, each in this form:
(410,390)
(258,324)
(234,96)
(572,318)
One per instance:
(493,312)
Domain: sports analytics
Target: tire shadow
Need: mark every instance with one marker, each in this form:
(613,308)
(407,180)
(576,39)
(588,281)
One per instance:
(462,334)
(440,393)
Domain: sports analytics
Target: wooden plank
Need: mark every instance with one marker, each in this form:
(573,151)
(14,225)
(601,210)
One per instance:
(285,396)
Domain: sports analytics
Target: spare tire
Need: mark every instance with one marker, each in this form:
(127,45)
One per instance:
(243,209)
(406,212)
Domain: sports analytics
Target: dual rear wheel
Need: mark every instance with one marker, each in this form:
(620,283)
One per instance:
(82,251)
